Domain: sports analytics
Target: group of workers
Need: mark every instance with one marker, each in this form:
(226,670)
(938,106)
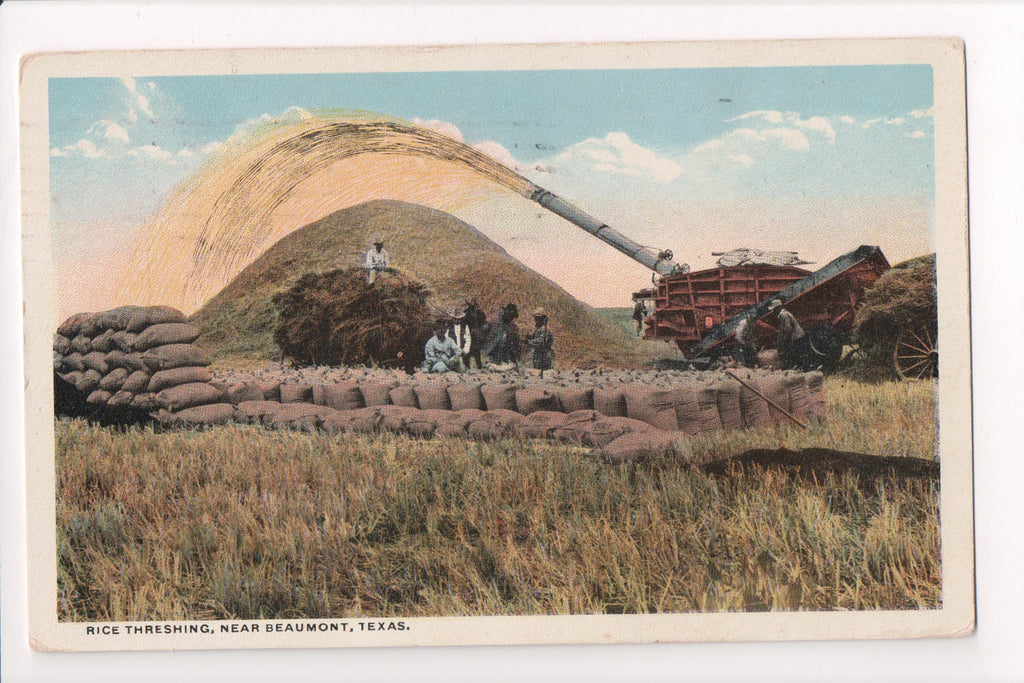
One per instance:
(789,337)
(465,336)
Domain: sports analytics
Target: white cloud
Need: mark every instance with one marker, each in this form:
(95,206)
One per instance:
(151,152)
(847,119)
(442,127)
(617,153)
(921,113)
(916,135)
(110,130)
(898,121)
(816,124)
(86,148)
(211,148)
(497,152)
(140,101)
(741,159)
(789,137)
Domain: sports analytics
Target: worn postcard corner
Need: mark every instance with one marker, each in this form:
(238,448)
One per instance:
(384,347)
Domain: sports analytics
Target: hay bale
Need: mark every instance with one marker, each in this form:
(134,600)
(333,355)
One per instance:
(649,445)
(499,396)
(466,396)
(153,315)
(571,399)
(171,378)
(173,356)
(164,334)
(432,396)
(114,380)
(610,401)
(189,395)
(653,405)
(376,393)
(404,395)
(338,318)
(531,399)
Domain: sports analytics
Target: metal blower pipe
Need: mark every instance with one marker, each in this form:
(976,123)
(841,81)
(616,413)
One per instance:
(660,262)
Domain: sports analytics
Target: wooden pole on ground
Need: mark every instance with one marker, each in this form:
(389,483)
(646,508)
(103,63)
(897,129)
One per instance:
(772,403)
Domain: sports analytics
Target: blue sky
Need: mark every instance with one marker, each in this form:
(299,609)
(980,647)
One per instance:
(608,140)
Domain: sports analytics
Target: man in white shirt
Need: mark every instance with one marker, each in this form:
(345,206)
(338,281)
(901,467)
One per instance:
(442,354)
(377,260)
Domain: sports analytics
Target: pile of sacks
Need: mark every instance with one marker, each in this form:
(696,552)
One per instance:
(134,356)
(143,357)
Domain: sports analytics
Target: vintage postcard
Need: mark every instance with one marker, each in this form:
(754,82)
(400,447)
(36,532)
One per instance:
(497,345)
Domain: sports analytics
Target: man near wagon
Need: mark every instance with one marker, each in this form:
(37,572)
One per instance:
(441,353)
(789,333)
(746,341)
(542,342)
(639,315)
(376,260)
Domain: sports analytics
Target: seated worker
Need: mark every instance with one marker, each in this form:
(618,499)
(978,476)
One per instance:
(442,354)
(376,260)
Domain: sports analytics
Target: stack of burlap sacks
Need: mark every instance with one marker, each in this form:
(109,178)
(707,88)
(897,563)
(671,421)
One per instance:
(143,357)
(137,356)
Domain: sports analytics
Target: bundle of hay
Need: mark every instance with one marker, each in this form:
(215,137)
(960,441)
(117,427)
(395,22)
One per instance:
(338,318)
(903,298)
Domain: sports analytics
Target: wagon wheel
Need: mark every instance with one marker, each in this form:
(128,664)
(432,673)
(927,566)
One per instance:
(916,355)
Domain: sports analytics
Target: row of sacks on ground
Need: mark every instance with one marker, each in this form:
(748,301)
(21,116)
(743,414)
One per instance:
(762,400)
(126,356)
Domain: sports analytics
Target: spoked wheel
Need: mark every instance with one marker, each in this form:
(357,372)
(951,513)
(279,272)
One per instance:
(916,355)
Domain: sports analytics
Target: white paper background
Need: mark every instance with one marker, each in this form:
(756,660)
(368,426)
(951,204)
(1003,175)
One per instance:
(994,37)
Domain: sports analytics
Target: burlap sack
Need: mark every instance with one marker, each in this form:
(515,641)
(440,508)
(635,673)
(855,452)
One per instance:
(244,391)
(427,422)
(815,397)
(466,396)
(116,318)
(606,429)
(137,382)
(610,401)
(117,359)
(366,420)
(121,399)
(393,418)
(201,416)
(653,405)
(61,345)
(531,399)
(769,359)
(94,360)
(571,399)
(432,396)
(188,395)
(173,356)
(114,380)
(376,393)
(72,377)
(91,327)
(133,362)
(153,315)
(773,387)
(73,362)
(124,341)
(88,381)
(799,396)
(707,405)
(171,378)
(81,344)
(495,424)
(573,429)
(145,401)
(754,408)
(298,416)
(271,390)
(72,327)
(499,396)
(542,424)
(404,395)
(164,334)
(687,408)
(98,397)
(729,410)
(296,393)
(103,342)
(648,445)
(340,396)
(256,412)
(455,424)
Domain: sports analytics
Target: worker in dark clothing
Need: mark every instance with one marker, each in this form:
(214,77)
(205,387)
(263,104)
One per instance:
(502,346)
(746,341)
(790,334)
(639,315)
(542,342)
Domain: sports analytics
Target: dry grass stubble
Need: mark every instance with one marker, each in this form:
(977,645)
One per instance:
(244,522)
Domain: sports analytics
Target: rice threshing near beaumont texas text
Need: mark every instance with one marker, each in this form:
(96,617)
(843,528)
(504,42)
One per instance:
(451,343)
